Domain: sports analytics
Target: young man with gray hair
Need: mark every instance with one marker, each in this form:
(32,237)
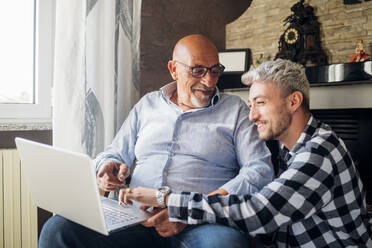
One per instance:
(317,200)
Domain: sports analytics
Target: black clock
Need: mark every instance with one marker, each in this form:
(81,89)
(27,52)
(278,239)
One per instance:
(300,42)
(291,35)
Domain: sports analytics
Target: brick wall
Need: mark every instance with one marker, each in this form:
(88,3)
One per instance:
(260,27)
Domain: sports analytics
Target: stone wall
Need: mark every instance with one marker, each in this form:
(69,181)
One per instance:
(261,25)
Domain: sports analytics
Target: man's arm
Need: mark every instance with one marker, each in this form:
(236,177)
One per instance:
(121,149)
(112,165)
(166,228)
(252,155)
(297,194)
(289,198)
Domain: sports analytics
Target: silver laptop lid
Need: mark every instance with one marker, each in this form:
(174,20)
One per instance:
(62,182)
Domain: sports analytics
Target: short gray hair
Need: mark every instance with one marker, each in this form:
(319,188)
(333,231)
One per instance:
(289,77)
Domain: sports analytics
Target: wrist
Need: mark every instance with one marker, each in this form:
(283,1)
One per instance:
(166,199)
(161,195)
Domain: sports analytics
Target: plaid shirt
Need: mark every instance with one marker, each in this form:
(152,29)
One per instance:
(317,201)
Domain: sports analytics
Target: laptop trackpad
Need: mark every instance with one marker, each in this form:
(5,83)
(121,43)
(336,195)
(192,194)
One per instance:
(118,217)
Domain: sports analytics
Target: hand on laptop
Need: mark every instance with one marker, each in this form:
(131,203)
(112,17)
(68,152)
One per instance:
(111,175)
(146,196)
(160,219)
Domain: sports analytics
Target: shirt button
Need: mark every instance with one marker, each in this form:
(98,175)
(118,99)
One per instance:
(171,154)
(174,139)
(165,174)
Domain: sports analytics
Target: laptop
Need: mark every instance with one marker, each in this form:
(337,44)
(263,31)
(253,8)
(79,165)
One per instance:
(64,182)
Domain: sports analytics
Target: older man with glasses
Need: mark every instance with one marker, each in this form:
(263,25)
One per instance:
(187,136)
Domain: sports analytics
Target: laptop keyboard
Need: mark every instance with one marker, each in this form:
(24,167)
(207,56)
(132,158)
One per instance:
(113,216)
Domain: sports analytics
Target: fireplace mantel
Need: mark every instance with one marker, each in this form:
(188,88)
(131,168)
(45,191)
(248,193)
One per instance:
(346,95)
(341,96)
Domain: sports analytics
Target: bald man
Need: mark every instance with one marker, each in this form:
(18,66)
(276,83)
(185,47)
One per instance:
(187,136)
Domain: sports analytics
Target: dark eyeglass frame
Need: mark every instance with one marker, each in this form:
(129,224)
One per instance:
(206,69)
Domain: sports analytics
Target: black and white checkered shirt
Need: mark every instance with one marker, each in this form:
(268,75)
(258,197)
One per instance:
(317,201)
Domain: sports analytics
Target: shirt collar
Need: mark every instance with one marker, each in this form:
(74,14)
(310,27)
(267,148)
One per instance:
(168,90)
(306,135)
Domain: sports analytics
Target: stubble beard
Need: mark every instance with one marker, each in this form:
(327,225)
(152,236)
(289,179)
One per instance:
(200,103)
(274,133)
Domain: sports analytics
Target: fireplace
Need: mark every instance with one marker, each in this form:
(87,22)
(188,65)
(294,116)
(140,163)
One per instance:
(341,97)
(354,126)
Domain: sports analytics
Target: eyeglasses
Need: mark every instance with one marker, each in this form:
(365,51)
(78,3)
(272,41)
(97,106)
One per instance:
(200,71)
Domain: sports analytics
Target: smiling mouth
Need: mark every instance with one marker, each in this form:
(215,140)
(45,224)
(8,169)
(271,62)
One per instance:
(204,92)
(260,125)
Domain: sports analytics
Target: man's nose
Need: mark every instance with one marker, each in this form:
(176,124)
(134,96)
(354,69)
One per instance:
(253,115)
(209,80)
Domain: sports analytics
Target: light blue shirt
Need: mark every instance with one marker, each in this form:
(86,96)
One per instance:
(198,150)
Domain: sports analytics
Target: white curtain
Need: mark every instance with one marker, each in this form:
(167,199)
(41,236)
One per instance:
(96,71)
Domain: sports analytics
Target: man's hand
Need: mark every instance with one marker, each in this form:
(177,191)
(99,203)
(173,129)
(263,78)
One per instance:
(161,221)
(111,175)
(139,194)
(162,225)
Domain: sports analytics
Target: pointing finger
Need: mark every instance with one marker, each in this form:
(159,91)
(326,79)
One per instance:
(123,172)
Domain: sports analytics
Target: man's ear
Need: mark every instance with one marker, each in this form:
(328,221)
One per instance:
(172,69)
(295,100)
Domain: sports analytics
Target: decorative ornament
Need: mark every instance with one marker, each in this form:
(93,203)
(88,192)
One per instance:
(359,55)
(300,42)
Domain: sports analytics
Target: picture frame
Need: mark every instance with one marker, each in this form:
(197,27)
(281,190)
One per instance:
(236,62)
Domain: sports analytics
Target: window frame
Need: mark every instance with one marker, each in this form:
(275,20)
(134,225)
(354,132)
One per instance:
(41,109)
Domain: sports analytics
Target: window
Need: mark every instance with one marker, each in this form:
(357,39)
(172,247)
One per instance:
(26,60)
